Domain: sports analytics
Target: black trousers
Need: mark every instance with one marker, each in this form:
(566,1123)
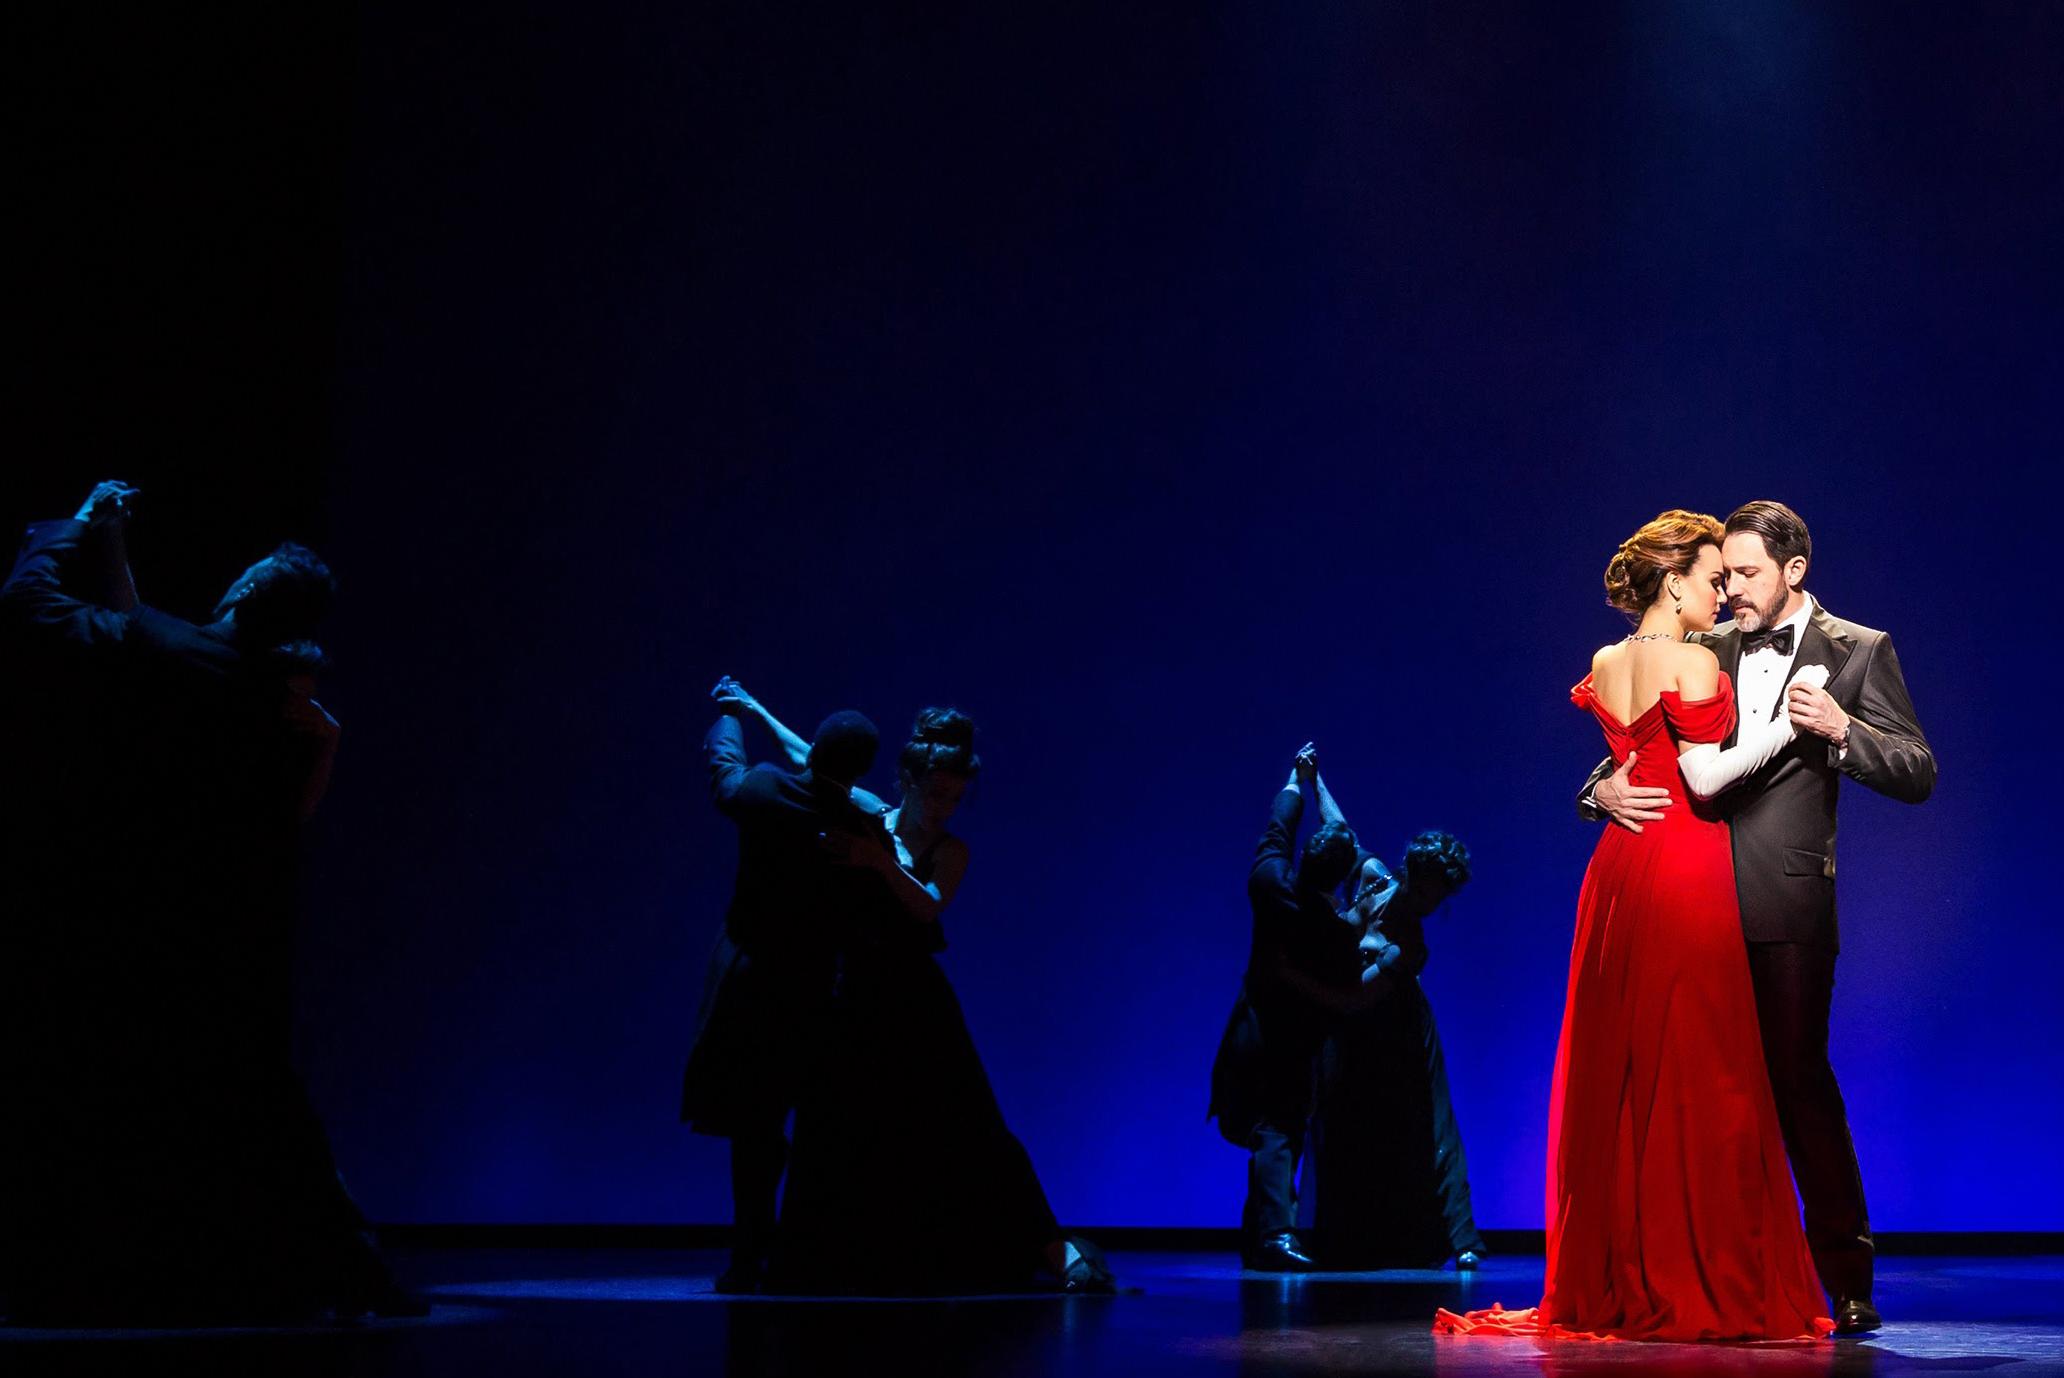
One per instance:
(1276,1052)
(758,1157)
(1795,987)
(1272,1157)
(1275,1147)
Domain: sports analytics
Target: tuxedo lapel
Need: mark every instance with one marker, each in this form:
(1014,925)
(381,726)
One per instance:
(1825,643)
(1726,648)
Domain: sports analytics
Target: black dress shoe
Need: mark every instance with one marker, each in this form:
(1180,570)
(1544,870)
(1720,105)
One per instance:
(1468,1261)
(1277,1254)
(1854,1316)
(1088,1274)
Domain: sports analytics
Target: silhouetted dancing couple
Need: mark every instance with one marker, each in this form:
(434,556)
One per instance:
(824,999)
(1332,1037)
(159,1162)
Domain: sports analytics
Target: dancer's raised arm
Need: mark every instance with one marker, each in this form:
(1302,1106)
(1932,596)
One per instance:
(106,512)
(1329,811)
(732,698)
(44,590)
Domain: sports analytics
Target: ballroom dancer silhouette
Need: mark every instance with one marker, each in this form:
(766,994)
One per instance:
(162,1163)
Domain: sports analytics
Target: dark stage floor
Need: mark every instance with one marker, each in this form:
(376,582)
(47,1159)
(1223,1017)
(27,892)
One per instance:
(518,1312)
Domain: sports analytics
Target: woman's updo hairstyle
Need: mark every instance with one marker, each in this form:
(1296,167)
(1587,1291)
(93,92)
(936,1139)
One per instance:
(941,739)
(1438,855)
(1668,545)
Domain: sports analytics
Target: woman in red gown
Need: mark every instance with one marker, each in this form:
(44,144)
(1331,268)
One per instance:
(1671,1212)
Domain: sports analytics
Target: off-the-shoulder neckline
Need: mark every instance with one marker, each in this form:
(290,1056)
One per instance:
(1590,690)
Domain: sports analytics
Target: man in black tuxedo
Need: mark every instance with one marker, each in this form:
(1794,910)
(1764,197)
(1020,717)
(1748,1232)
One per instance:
(1862,725)
(165,1164)
(1303,974)
(797,902)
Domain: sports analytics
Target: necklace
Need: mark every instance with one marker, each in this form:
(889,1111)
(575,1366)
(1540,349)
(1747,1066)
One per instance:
(1653,636)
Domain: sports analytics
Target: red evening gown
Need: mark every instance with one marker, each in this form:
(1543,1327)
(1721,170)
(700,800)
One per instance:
(1670,1207)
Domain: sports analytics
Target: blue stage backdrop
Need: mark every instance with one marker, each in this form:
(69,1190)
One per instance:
(1164,388)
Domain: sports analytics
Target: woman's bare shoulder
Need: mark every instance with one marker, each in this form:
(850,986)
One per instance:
(1697,669)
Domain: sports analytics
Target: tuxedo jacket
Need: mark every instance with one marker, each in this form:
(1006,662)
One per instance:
(172,726)
(151,836)
(1291,924)
(791,905)
(1783,817)
(51,609)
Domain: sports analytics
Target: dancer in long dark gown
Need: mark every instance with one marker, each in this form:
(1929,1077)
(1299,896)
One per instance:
(1391,1182)
(162,1162)
(905,1178)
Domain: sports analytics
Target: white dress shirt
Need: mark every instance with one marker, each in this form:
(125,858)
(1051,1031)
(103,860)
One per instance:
(1759,681)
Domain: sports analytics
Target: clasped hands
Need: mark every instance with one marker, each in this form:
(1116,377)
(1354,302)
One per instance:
(1812,709)
(732,698)
(109,501)
(1379,954)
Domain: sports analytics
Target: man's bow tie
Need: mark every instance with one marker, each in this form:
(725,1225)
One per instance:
(1778,639)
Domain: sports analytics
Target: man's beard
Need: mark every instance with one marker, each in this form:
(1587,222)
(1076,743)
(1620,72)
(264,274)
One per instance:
(1751,618)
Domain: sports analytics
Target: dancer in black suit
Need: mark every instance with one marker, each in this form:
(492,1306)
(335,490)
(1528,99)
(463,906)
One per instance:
(795,906)
(1303,975)
(1861,725)
(162,1163)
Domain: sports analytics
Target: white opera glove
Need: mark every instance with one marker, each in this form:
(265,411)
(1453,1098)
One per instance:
(1709,770)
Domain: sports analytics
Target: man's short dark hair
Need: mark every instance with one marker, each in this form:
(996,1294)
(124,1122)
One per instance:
(286,598)
(1330,855)
(1783,531)
(844,747)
